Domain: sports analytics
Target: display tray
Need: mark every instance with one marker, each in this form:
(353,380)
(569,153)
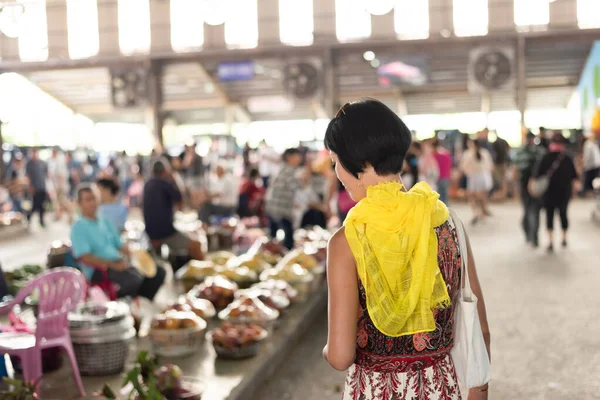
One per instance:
(239,379)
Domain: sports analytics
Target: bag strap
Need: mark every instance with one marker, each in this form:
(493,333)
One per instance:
(465,283)
(555,165)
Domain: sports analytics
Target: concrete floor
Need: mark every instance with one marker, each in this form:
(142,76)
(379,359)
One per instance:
(540,307)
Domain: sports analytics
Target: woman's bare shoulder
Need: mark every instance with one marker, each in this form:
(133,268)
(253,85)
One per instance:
(338,247)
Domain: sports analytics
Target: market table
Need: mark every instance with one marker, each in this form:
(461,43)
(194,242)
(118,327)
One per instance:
(237,379)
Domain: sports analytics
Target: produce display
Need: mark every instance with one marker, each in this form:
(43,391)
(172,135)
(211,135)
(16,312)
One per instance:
(176,333)
(147,380)
(195,272)
(281,286)
(20,277)
(248,310)
(273,298)
(307,261)
(236,341)
(253,262)
(201,307)
(221,257)
(217,289)
(294,274)
(243,276)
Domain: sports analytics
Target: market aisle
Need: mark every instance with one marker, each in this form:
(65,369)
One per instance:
(541,309)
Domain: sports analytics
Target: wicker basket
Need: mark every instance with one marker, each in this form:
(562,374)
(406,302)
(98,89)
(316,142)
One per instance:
(176,342)
(100,359)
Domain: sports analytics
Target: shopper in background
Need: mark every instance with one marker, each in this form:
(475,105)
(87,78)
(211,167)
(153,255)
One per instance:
(542,139)
(75,173)
(410,174)
(36,173)
(280,197)
(501,150)
(526,159)
(268,163)
(477,165)
(429,170)
(161,198)
(111,208)
(17,182)
(58,173)
(444,161)
(125,168)
(591,163)
(251,195)
(560,167)
(222,195)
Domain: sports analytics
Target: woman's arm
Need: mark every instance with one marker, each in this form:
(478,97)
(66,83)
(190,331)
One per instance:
(342,281)
(480,393)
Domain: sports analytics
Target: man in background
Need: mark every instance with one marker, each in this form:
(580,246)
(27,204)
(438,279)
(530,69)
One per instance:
(280,197)
(58,173)
(161,198)
(36,171)
(526,160)
(501,160)
(223,196)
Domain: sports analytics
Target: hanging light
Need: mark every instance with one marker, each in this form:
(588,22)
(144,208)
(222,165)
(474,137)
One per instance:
(10,19)
(379,7)
(216,11)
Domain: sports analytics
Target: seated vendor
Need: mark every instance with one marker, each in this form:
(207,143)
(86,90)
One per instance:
(97,245)
(161,197)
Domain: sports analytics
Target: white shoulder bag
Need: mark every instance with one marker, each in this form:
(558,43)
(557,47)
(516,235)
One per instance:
(469,354)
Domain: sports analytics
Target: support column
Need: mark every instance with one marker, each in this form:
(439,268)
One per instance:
(214,36)
(9,48)
(268,22)
(330,90)
(160,26)
(382,26)
(401,105)
(563,14)
(2,166)
(58,40)
(501,16)
(324,14)
(521,79)
(108,25)
(154,115)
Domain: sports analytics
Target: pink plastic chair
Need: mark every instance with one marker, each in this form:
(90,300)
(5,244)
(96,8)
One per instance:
(59,291)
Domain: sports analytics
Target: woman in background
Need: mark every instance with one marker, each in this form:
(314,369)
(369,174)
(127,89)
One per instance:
(429,170)
(560,168)
(111,207)
(477,165)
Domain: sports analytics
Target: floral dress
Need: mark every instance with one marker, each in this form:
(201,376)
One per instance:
(414,366)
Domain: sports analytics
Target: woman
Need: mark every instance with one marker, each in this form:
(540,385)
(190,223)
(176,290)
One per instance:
(591,163)
(477,165)
(111,207)
(397,345)
(560,168)
(429,170)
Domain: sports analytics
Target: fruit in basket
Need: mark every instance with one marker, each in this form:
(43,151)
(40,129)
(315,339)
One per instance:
(168,378)
(172,323)
(240,275)
(201,307)
(282,286)
(179,307)
(159,322)
(218,290)
(270,258)
(221,257)
(249,309)
(253,262)
(172,320)
(288,273)
(197,270)
(231,336)
(307,261)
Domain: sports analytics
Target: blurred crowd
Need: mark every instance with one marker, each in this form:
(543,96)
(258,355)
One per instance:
(298,188)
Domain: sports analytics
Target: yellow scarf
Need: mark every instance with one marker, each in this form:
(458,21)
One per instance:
(390,233)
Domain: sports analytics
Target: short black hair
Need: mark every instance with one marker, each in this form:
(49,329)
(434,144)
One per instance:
(253,173)
(291,152)
(367,132)
(109,184)
(83,188)
(159,167)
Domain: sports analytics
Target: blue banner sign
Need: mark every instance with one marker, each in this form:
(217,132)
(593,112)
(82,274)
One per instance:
(235,71)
